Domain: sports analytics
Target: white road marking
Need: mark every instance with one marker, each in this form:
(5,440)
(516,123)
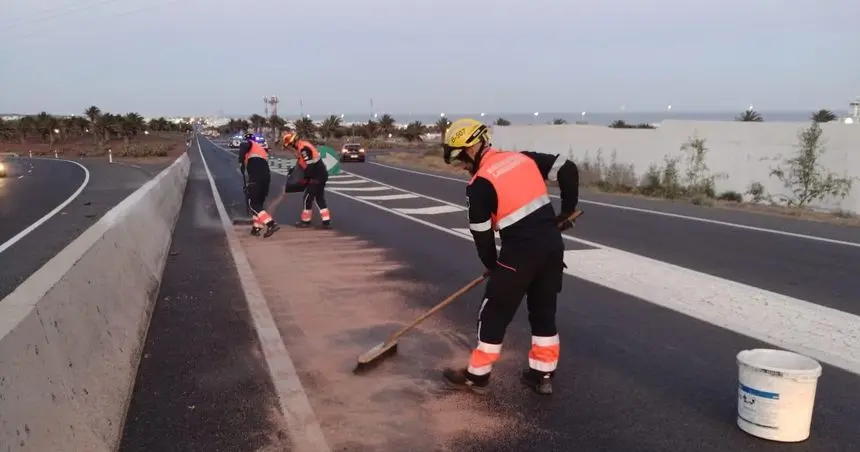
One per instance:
(305,433)
(340,176)
(345,182)
(17,237)
(468,233)
(432,210)
(830,335)
(657,212)
(826,334)
(388,197)
(360,188)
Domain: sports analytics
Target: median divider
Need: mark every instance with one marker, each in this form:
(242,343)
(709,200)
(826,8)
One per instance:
(71,335)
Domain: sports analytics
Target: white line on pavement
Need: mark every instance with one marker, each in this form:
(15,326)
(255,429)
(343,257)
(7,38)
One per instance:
(829,335)
(17,237)
(305,433)
(657,212)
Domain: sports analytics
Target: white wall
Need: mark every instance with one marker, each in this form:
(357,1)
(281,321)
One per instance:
(744,151)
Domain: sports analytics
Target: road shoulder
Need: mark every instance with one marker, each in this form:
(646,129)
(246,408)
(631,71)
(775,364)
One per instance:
(202,383)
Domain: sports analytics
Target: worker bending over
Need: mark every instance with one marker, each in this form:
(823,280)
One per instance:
(255,160)
(316,176)
(508,194)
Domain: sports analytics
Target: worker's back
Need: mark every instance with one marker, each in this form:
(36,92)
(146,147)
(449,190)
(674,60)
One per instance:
(514,187)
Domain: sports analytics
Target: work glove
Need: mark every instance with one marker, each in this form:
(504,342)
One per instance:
(563,221)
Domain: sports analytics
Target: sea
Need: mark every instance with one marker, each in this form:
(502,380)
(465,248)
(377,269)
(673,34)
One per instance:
(596,118)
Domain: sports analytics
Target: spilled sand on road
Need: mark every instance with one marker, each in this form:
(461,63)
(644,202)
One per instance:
(333,297)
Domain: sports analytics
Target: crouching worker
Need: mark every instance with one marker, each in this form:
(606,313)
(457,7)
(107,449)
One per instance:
(315,172)
(254,160)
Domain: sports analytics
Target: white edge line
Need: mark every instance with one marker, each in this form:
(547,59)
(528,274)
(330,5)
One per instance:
(657,212)
(305,433)
(17,237)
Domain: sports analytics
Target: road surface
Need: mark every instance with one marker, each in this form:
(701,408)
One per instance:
(49,202)
(653,312)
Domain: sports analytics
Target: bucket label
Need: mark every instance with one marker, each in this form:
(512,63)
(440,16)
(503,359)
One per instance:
(758,407)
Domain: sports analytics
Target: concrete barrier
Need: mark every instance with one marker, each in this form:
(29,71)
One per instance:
(71,335)
(744,151)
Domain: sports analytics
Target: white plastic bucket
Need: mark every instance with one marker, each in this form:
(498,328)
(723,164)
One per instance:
(776,394)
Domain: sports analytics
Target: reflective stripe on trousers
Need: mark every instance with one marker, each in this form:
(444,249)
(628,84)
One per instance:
(543,355)
(483,357)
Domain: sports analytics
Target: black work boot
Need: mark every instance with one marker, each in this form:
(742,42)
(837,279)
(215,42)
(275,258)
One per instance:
(271,228)
(326,224)
(255,231)
(540,382)
(303,224)
(462,379)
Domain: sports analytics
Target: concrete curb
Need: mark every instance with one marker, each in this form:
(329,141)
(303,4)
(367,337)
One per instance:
(71,335)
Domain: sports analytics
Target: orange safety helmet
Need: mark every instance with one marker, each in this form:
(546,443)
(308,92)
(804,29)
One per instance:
(290,138)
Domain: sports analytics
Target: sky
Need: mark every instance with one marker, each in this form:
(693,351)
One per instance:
(202,57)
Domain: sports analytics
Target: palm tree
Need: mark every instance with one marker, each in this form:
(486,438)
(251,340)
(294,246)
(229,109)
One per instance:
(371,129)
(94,113)
(134,124)
(276,123)
(413,131)
(558,121)
(749,115)
(257,122)
(442,125)
(502,122)
(46,124)
(329,126)
(25,125)
(387,125)
(823,116)
(306,128)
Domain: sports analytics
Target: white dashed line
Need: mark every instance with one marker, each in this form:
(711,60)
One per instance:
(388,197)
(337,189)
(345,182)
(432,210)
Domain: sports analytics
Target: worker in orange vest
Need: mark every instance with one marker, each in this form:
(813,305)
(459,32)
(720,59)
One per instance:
(254,159)
(508,194)
(315,178)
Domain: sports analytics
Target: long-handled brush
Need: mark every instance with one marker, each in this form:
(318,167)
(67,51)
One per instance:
(389,347)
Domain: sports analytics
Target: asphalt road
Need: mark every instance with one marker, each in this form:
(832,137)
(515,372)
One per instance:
(633,375)
(39,187)
(201,384)
(811,270)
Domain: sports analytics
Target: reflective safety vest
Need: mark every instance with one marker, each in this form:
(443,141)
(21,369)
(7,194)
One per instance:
(256,151)
(308,153)
(520,187)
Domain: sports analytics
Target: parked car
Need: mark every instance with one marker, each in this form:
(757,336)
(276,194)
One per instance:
(235,141)
(353,152)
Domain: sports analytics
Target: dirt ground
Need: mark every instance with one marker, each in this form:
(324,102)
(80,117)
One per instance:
(434,163)
(155,148)
(329,316)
